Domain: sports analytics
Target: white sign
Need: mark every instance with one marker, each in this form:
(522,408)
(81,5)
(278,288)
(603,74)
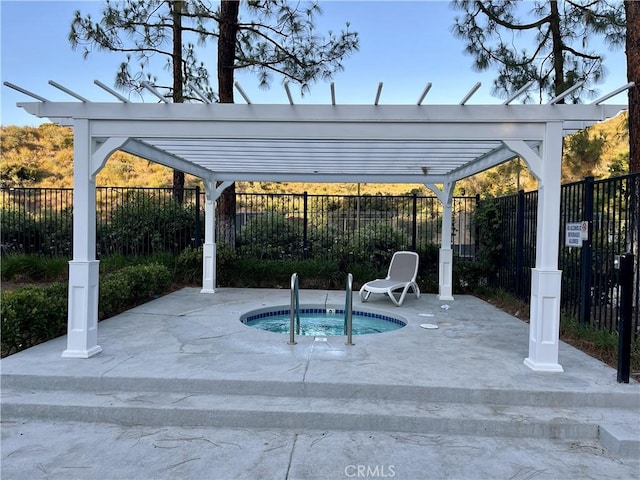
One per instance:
(573,235)
(584,230)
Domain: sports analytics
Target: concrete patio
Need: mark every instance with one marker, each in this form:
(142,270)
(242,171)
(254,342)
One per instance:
(183,389)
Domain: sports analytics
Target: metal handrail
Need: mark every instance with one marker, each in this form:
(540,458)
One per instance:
(294,326)
(348,310)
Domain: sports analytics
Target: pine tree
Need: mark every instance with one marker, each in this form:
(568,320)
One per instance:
(277,37)
(551,45)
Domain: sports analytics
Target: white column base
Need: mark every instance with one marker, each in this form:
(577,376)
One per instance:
(208,268)
(82,353)
(544,326)
(82,326)
(543,367)
(445,274)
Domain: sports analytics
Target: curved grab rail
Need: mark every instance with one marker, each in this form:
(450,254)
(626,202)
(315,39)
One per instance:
(348,310)
(294,326)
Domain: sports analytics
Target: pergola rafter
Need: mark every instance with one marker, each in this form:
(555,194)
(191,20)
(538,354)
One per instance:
(434,145)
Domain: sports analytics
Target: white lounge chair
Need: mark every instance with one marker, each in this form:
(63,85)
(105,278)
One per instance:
(403,271)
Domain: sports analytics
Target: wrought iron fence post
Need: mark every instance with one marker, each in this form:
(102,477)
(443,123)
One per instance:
(625,265)
(197,219)
(414,223)
(305,222)
(519,242)
(587,257)
(476,233)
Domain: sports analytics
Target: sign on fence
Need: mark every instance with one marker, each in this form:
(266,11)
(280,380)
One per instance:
(575,233)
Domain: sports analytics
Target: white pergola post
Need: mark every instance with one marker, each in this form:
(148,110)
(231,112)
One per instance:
(445,257)
(212,193)
(209,247)
(544,326)
(82,326)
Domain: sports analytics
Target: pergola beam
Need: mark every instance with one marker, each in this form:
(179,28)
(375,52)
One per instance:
(318,114)
(148,152)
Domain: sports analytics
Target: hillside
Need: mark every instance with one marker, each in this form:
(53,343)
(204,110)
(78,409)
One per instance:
(43,157)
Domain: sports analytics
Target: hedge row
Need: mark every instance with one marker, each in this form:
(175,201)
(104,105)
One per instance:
(32,315)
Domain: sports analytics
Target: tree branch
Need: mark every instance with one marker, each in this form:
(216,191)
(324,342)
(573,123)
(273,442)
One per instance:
(512,26)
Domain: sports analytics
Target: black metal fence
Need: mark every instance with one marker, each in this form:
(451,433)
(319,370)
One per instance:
(142,221)
(590,287)
(331,226)
(130,221)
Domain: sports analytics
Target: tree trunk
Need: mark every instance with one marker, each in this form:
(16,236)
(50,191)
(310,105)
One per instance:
(226,60)
(178,83)
(558,59)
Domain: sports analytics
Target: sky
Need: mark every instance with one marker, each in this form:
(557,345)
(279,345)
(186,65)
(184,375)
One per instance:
(404,44)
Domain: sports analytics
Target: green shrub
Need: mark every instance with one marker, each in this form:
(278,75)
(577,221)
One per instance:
(226,261)
(19,232)
(145,223)
(33,268)
(488,223)
(130,286)
(32,315)
(188,266)
(313,273)
(272,236)
(45,233)
(374,244)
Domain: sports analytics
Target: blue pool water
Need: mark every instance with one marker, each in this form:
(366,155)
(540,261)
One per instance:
(321,321)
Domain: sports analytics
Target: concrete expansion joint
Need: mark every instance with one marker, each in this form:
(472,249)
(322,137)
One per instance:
(291,455)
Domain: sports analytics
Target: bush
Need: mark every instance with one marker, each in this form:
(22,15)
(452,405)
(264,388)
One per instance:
(374,244)
(46,233)
(488,223)
(313,273)
(272,236)
(188,266)
(131,286)
(145,223)
(34,268)
(19,232)
(32,315)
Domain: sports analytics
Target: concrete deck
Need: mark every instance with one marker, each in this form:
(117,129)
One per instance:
(182,389)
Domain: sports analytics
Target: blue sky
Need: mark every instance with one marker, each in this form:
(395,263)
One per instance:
(403,44)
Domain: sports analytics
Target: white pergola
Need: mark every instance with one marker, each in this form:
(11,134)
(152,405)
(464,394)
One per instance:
(434,145)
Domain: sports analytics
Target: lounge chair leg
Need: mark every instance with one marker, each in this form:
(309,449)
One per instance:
(364,295)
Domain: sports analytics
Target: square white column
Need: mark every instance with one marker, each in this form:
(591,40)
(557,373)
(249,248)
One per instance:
(544,327)
(208,268)
(82,326)
(445,274)
(82,320)
(209,247)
